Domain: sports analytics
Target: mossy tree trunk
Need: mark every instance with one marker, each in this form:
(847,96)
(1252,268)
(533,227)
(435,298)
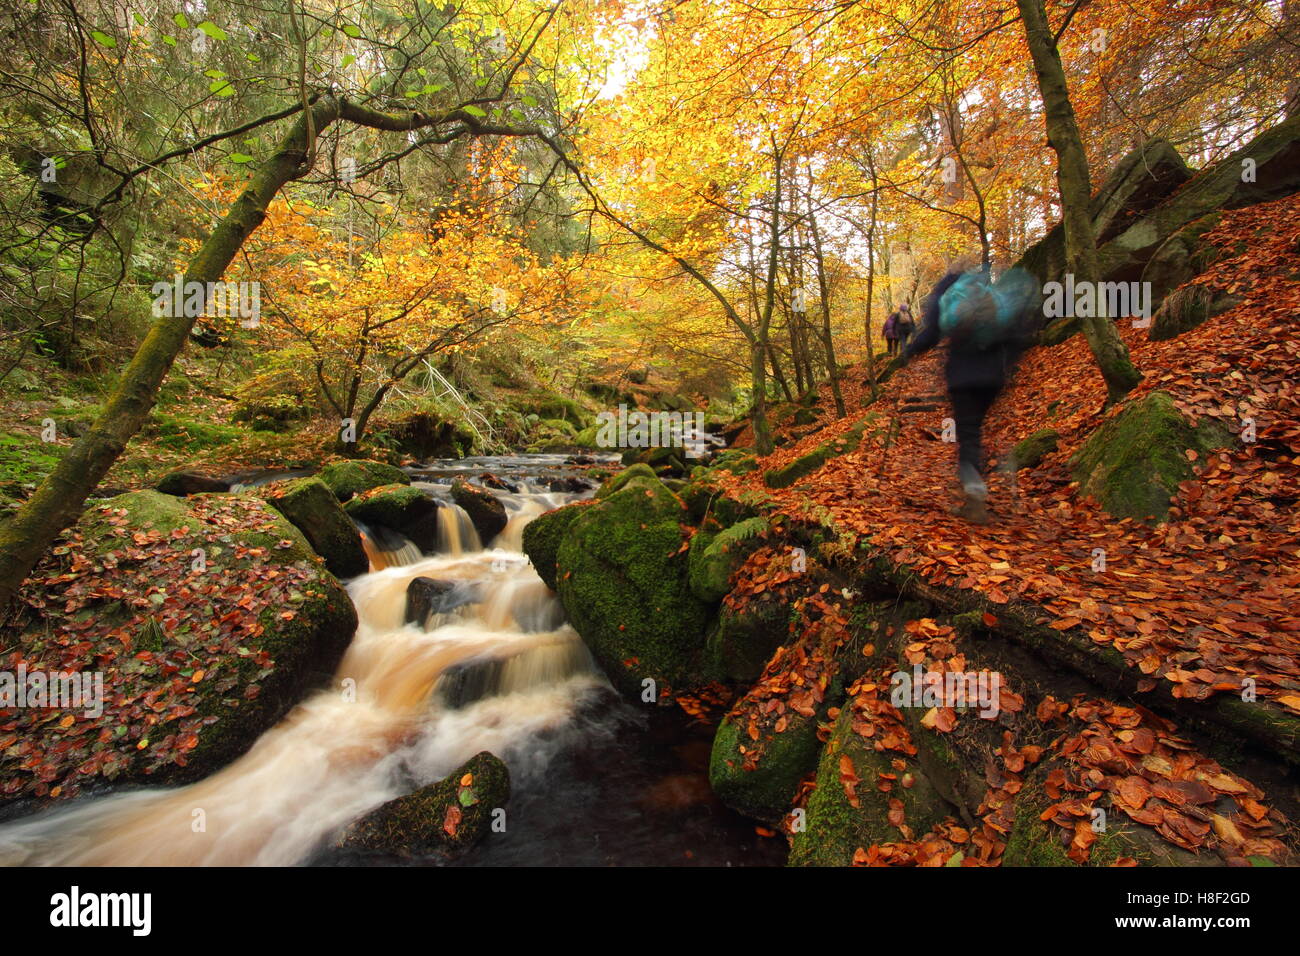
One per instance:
(1074,183)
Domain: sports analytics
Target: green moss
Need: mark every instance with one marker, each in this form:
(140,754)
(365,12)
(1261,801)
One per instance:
(1030,451)
(1134,463)
(622,577)
(313,509)
(415,824)
(834,828)
(740,644)
(393,506)
(542,537)
(349,478)
(623,477)
(805,465)
(714,558)
(766,791)
(1041,843)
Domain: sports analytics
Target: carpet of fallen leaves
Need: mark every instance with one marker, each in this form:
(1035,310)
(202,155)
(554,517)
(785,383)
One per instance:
(89,606)
(1202,601)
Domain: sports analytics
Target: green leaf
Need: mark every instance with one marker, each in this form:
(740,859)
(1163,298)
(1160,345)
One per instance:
(1260,861)
(467,797)
(529,100)
(214,74)
(103,38)
(141,21)
(412,94)
(432,87)
(955,859)
(212,30)
(473,110)
(352,31)
(240,158)
(180,21)
(253,58)
(347,61)
(221,88)
(170,41)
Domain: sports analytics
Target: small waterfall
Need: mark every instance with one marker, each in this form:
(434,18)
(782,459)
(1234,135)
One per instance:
(499,671)
(386,548)
(456,532)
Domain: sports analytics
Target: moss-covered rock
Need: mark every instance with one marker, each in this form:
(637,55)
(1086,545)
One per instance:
(622,577)
(714,558)
(216,609)
(449,816)
(835,828)
(1030,451)
(542,537)
(1187,308)
(759,778)
(349,478)
(485,509)
(313,509)
(401,508)
(184,483)
(1134,463)
(787,475)
(1041,843)
(623,477)
(740,643)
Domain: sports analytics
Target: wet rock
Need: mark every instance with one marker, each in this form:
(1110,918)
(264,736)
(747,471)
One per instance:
(446,817)
(184,483)
(542,537)
(313,509)
(349,478)
(489,480)
(428,596)
(1030,451)
(401,508)
(485,510)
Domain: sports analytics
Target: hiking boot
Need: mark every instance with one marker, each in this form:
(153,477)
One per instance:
(973,509)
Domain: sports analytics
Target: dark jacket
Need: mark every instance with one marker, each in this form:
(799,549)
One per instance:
(968,366)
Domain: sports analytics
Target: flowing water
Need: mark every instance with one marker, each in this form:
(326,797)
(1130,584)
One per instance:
(493,667)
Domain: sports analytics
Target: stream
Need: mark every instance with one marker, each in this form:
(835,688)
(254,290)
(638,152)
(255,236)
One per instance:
(494,666)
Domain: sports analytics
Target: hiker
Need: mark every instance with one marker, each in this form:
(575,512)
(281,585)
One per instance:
(905,326)
(891,333)
(987,326)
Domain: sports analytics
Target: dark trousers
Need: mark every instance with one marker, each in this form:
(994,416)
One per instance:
(969,408)
(891,346)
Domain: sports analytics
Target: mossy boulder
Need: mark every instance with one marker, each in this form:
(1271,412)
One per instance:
(542,537)
(401,508)
(1187,308)
(1134,463)
(217,613)
(759,777)
(714,558)
(485,510)
(349,478)
(313,509)
(621,573)
(805,465)
(447,817)
(740,643)
(623,477)
(834,827)
(1030,451)
(1042,843)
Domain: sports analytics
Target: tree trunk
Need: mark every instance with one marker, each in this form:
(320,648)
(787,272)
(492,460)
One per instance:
(1075,187)
(61,496)
(823,287)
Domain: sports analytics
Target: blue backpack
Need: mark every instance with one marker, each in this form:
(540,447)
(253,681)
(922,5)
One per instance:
(977,313)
